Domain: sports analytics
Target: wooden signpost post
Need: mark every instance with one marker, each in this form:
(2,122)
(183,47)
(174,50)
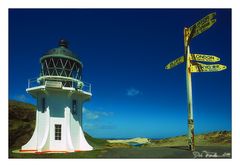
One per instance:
(193,66)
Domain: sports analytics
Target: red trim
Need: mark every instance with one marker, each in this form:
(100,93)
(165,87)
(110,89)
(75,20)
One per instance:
(77,150)
(55,151)
(48,151)
(26,150)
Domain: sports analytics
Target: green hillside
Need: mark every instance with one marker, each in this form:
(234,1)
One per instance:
(218,138)
(21,122)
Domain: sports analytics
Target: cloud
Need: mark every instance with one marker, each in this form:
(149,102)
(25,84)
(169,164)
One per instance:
(133,92)
(93,121)
(21,97)
(93,115)
(88,126)
(106,114)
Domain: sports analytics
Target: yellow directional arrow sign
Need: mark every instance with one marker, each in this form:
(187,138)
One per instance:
(174,63)
(202,25)
(193,57)
(206,58)
(199,67)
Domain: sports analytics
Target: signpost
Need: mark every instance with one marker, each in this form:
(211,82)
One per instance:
(189,91)
(205,58)
(199,67)
(202,25)
(193,66)
(174,63)
(193,57)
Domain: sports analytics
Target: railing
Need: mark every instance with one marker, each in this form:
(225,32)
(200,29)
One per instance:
(32,82)
(87,87)
(66,82)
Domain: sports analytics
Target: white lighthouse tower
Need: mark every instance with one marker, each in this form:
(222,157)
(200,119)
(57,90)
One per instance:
(60,95)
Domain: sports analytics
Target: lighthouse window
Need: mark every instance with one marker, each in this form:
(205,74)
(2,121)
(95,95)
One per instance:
(58,129)
(74,106)
(43,104)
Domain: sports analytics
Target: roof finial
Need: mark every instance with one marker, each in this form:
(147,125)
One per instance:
(63,43)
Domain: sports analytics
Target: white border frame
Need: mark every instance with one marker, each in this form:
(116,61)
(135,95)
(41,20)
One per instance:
(234,4)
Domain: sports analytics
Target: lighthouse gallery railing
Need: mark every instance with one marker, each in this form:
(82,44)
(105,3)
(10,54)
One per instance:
(85,86)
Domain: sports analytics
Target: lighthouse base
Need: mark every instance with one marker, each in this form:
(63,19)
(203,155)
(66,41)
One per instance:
(58,121)
(45,147)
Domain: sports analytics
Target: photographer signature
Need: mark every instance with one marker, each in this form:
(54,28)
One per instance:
(208,154)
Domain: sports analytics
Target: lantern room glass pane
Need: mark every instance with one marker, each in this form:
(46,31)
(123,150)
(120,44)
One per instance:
(56,66)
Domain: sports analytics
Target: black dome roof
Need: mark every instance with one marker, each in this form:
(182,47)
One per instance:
(61,51)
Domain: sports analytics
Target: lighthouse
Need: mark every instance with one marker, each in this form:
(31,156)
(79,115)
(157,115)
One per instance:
(60,94)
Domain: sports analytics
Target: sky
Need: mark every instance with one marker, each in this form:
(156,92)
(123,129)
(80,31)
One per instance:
(124,53)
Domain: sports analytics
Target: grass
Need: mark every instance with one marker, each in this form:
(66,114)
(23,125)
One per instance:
(86,154)
(95,142)
(217,138)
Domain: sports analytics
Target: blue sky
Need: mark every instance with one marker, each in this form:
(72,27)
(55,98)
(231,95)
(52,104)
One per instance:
(124,53)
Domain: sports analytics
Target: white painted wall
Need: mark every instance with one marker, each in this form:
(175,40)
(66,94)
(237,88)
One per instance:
(58,104)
